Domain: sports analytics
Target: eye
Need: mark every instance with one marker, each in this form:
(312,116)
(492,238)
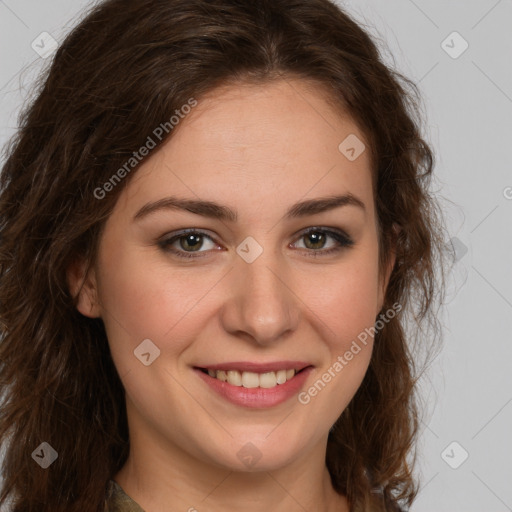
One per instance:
(189,242)
(316,238)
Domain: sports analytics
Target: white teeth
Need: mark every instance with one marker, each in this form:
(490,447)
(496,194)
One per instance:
(268,380)
(234,378)
(281,376)
(252,379)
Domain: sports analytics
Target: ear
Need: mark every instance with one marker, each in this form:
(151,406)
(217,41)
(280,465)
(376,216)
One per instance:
(84,288)
(389,268)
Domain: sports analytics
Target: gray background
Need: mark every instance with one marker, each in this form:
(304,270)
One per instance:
(468,120)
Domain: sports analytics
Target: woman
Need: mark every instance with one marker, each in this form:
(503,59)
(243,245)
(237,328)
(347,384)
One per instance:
(215,218)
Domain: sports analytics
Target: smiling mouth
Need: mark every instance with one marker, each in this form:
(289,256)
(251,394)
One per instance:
(252,379)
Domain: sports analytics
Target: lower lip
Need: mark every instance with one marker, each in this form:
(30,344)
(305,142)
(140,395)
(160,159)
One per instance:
(257,397)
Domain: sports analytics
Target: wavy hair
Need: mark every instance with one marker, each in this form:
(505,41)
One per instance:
(125,68)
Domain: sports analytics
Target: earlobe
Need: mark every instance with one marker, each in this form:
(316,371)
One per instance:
(83,288)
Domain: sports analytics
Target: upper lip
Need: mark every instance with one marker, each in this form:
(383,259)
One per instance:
(248,366)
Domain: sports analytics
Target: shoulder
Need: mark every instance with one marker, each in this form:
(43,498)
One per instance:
(116,500)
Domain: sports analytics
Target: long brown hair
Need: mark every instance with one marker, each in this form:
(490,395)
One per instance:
(123,71)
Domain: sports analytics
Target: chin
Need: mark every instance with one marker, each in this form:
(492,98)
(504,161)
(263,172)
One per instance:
(253,455)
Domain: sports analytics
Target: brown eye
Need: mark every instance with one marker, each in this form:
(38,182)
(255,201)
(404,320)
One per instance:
(316,239)
(192,241)
(186,243)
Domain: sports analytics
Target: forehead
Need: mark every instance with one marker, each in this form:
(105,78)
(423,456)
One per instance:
(246,142)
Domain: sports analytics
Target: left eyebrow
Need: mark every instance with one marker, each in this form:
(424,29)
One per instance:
(314,206)
(221,212)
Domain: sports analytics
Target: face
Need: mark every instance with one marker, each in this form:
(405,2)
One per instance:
(273,277)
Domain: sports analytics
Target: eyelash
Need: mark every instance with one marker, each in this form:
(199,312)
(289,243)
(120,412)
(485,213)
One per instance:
(343,240)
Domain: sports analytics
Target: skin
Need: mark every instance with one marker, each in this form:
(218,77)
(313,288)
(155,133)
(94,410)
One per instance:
(257,149)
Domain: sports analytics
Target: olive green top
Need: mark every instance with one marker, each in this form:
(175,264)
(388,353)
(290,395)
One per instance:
(118,501)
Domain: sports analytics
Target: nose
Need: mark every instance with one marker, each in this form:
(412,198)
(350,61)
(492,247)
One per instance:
(261,304)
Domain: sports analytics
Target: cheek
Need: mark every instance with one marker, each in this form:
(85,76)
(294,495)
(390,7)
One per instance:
(347,310)
(345,298)
(140,301)
(143,297)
